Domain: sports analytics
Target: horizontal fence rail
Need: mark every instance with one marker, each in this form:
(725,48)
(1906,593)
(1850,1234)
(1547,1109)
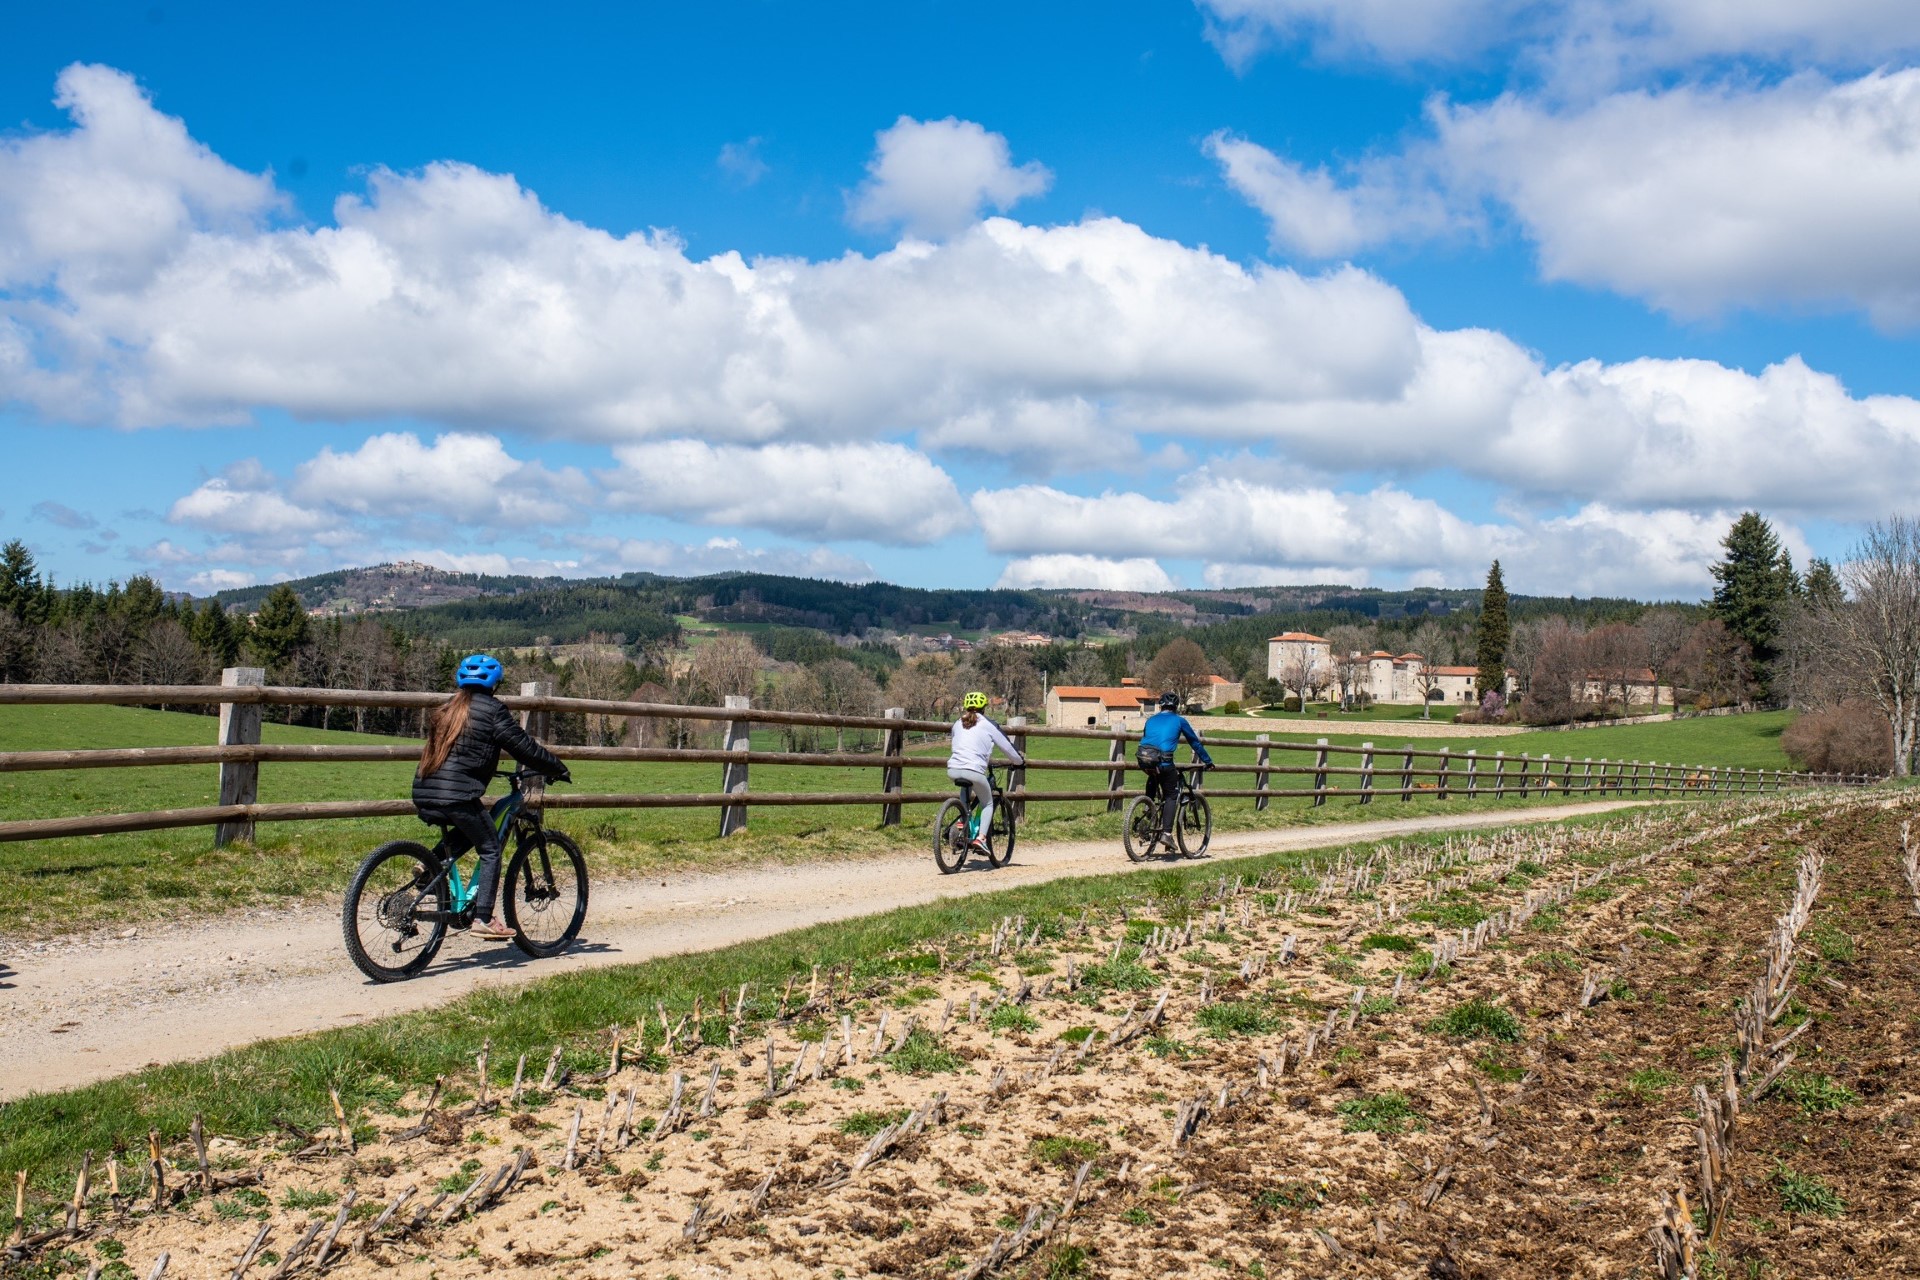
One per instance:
(1364,774)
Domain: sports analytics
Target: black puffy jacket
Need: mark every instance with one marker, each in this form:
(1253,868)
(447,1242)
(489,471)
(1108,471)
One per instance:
(470,766)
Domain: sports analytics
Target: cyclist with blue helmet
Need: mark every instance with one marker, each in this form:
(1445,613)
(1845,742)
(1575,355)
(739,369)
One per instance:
(1160,737)
(465,736)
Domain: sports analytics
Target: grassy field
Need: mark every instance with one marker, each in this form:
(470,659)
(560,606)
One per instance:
(1331,712)
(60,885)
(248,1091)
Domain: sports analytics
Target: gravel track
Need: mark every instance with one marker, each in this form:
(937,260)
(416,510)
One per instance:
(84,1009)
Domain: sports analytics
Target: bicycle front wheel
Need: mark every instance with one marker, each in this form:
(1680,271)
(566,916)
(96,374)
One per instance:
(1141,829)
(1001,835)
(1195,828)
(381,920)
(546,893)
(950,837)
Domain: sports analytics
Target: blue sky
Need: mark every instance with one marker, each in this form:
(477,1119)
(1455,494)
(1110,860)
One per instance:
(1123,294)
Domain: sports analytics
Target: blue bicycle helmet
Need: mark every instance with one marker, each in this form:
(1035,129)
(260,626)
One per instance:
(479,672)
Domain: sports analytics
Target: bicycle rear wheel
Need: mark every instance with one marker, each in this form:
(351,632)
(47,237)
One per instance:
(546,893)
(1001,835)
(1140,831)
(950,837)
(380,920)
(1195,828)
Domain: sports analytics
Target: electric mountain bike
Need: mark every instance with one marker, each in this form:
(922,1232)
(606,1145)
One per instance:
(1190,827)
(405,895)
(958,823)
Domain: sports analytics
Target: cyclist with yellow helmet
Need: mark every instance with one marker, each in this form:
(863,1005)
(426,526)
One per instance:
(974,738)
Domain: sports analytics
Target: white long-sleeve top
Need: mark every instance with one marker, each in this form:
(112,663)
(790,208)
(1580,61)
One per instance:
(973,748)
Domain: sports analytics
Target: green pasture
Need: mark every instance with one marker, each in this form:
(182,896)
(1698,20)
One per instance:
(251,1091)
(56,886)
(1330,712)
(1740,742)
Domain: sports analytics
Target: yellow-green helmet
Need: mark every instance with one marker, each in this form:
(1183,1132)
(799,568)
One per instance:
(975,701)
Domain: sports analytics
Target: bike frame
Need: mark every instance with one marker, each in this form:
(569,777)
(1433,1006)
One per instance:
(973,811)
(461,891)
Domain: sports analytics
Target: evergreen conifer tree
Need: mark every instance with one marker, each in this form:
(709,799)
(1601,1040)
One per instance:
(280,627)
(22,592)
(1750,584)
(1492,634)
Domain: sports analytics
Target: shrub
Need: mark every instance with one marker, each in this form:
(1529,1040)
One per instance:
(1231,707)
(1290,703)
(1849,738)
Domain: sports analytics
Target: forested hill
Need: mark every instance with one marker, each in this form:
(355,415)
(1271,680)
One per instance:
(481,610)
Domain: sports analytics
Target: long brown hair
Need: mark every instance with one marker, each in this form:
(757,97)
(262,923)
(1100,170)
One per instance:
(444,727)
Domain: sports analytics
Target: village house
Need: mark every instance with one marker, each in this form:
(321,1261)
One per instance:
(1400,679)
(1127,705)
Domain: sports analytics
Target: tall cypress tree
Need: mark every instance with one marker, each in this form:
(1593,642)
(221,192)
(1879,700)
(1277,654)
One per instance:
(1754,579)
(1492,634)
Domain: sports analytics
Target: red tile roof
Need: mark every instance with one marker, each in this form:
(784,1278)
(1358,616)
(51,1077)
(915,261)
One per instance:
(1298,635)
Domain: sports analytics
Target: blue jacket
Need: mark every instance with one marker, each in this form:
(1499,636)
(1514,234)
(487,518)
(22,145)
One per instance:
(1165,731)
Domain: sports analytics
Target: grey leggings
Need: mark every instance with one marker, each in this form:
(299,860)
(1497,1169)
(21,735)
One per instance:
(469,827)
(982,793)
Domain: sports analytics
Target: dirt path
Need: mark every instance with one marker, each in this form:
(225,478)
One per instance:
(84,1010)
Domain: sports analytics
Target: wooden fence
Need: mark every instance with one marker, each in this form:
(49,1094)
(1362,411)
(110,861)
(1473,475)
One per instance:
(1364,774)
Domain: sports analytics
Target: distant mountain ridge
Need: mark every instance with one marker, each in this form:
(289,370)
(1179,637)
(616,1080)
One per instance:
(490,609)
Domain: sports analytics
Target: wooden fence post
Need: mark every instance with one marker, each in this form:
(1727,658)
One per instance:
(1446,763)
(1320,774)
(1017,777)
(1499,775)
(537,723)
(893,745)
(1526,765)
(1406,774)
(239,727)
(1366,773)
(737,735)
(1473,780)
(1586,779)
(1262,758)
(1117,776)
(1633,787)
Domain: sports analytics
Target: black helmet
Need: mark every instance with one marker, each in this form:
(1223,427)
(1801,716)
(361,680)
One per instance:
(1169,702)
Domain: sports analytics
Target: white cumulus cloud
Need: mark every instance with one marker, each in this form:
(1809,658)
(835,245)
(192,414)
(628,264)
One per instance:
(1581,38)
(933,177)
(462,476)
(878,492)
(1138,573)
(1702,198)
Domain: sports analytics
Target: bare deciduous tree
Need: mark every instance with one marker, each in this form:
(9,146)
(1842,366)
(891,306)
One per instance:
(1874,636)
(1181,667)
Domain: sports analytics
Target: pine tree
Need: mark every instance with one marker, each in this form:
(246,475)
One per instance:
(214,631)
(1492,634)
(22,592)
(1821,587)
(1751,584)
(280,627)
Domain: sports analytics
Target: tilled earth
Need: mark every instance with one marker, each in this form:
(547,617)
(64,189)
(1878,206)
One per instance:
(1383,1070)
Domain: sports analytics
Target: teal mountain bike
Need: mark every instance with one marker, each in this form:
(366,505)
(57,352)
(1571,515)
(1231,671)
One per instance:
(405,895)
(959,822)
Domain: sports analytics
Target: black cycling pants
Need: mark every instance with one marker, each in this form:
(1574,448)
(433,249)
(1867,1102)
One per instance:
(469,827)
(1162,785)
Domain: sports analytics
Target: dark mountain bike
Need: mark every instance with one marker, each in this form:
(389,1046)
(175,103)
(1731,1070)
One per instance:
(954,828)
(405,895)
(1192,825)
